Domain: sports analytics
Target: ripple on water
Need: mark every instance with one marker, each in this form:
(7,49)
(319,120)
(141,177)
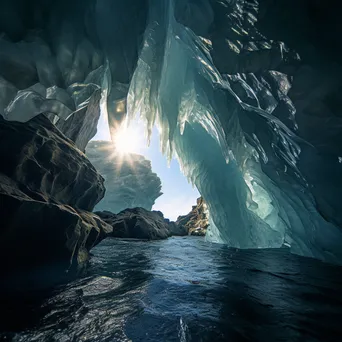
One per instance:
(184,289)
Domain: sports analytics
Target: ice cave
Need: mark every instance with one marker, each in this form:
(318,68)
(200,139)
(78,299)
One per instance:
(245,96)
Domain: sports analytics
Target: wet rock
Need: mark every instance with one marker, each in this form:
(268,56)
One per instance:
(38,233)
(175,229)
(48,165)
(196,222)
(139,223)
(46,187)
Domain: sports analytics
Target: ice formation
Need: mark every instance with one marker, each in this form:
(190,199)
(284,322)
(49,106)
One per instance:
(223,141)
(254,121)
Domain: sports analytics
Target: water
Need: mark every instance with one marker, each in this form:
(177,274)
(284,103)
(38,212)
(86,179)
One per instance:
(184,289)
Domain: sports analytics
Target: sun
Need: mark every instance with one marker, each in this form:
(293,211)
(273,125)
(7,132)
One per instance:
(126,140)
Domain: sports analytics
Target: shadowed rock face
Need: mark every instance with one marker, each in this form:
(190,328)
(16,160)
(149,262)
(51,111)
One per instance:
(139,223)
(48,165)
(196,222)
(129,179)
(46,186)
(43,233)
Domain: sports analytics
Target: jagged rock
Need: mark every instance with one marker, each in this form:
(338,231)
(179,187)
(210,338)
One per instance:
(46,186)
(44,233)
(139,223)
(196,222)
(129,179)
(40,158)
(175,229)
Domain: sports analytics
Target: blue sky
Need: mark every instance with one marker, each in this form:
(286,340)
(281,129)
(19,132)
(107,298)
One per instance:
(178,195)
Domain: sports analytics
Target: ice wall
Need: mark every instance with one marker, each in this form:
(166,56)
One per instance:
(241,157)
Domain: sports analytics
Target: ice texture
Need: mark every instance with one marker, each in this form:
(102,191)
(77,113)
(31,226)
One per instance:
(51,66)
(247,98)
(256,194)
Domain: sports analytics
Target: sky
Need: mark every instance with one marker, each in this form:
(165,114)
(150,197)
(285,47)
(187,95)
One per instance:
(178,195)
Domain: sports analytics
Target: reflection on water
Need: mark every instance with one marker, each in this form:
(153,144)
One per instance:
(183,289)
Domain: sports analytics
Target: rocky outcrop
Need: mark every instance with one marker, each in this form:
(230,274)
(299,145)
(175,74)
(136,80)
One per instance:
(46,187)
(129,179)
(196,222)
(42,160)
(174,228)
(139,223)
(44,233)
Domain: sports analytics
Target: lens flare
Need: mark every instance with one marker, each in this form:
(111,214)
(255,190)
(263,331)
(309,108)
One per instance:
(127,140)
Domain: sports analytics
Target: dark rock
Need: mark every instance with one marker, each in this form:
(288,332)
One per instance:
(196,222)
(44,233)
(47,164)
(139,223)
(175,229)
(45,185)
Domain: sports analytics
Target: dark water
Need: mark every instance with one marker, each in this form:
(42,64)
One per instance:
(184,289)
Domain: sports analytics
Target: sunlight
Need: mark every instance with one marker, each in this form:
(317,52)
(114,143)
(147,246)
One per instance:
(128,139)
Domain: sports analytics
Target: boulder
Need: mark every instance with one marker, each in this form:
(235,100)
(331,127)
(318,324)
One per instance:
(196,222)
(46,187)
(139,223)
(175,229)
(37,233)
(48,165)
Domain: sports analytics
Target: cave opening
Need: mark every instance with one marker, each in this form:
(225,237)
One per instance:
(129,137)
(238,113)
(244,97)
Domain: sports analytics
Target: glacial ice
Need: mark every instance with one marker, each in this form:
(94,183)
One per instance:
(256,195)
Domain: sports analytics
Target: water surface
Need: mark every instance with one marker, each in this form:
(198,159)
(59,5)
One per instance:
(184,289)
